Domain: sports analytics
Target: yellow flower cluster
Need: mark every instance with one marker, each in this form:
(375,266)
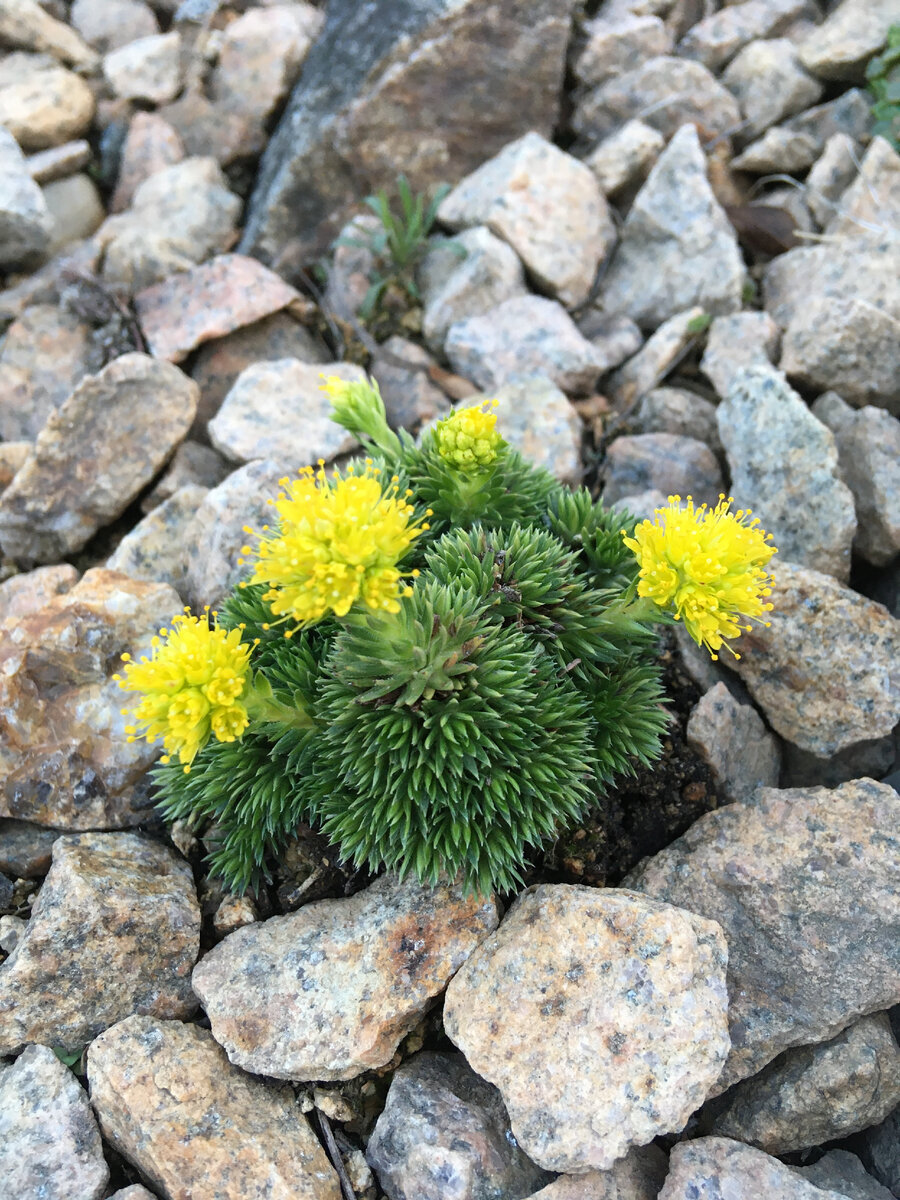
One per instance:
(468,439)
(191,687)
(338,541)
(706,566)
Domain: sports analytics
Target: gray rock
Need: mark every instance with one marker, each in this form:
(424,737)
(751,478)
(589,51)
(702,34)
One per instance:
(115,931)
(49,1141)
(521,338)
(678,248)
(466,277)
(872,201)
(619,43)
(536,419)
(637,1176)
(192,465)
(744,339)
(45,354)
(25,849)
(802,882)
(703,670)
(623,160)
(817,1093)
(380,74)
(614,337)
(848,113)
(76,209)
(779,151)
(657,357)
(599,1015)
(831,175)
(769,82)
(717,38)
(410,398)
(107,24)
(666,93)
(445,1132)
(879,1149)
(25,222)
(711,1168)
(328,992)
(730,736)
(665,462)
(279,409)
(135,1192)
(850,35)
(842,1172)
(676,410)
(153,548)
(94,455)
(784,467)
(642,505)
(547,205)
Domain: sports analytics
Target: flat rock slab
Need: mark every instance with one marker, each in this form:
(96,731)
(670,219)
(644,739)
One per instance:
(600,1017)
(328,992)
(804,883)
(115,931)
(65,760)
(825,671)
(49,1141)
(660,354)
(445,1132)
(714,1168)
(94,455)
(172,1104)
(207,302)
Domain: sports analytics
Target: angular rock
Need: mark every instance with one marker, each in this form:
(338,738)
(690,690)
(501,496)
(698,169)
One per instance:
(784,467)
(843,1172)
(207,302)
(849,113)
(41,103)
(94,455)
(615,338)
(153,550)
(108,24)
(379,76)
(661,352)
(465,277)
(151,145)
(769,82)
(410,398)
(817,1093)
(717,38)
(64,758)
(800,880)
(664,462)
(328,992)
(171,1103)
(618,44)
(744,339)
(12,460)
(135,1192)
(547,205)
(25,223)
(49,1141)
(445,1132)
(830,176)
(521,338)
(848,37)
(676,410)
(352,268)
(779,151)
(624,158)
(146,69)
(637,1176)
(643,505)
(115,930)
(665,92)
(278,409)
(677,248)
(26,593)
(23,23)
(879,1149)
(539,422)
(25,849)
(601,1018)
(873,199)
(45,355)
(730,736)
(713,1167)
(192,465)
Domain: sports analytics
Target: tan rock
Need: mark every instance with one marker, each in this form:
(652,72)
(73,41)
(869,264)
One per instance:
(600,1017)
(718,37)
(730,736)
(619,43)
(154,549)
(46,353)
(27,593)
(12,458)
(42,103)
(659,354)
(115,930)
(537,419)
(637,1176)
(148,68)
(24,24)
(151,145)
(711,1167)
(624,158)
(738,340)
(873,198)
(64,758)
(76,208)
(94,455)
(769,82)
(58,162)
(329,991)
(830,176)
(851,34)
(107,24)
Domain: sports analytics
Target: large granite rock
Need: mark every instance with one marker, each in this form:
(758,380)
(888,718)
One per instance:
(401,85)
(115,931)
(601,1017)
(714,1168)
(327,992)
(879,1149)
(172,1104)
(537,419)
(803,882)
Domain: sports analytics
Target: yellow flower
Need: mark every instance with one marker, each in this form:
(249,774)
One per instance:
(705,566)
(468,439)
(337,542)
(191,687)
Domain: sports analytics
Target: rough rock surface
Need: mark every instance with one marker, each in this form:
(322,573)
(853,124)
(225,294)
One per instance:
(714,1168)
(718,37)
(25,848)
(784,466)
(151,145)
(375,91)
(602,981)
(824,671)
(43,104)
(192,465)
(873,198)
(547,205)
(45,355)
(154,549)
(678,411)
(664,462)
(25,223)
(678,248)
(64,758)
(279,409)
(624,159)
(802,882)
(539,422)
(171,1103)
(746,339)
(115,930)
(106,24)
(741,752)
(769,82)
(842,1172)
(445,1132)
(25,593)
(49,1141)
(637,1176)
(851,34)
(410,398)
(879,1148)
(149,68)
(25,23)
(328,992)
(619,43)
(830,176)
(659,354)
(818,1093)
(94,455)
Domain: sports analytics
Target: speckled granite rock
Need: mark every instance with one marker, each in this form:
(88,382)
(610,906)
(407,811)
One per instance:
(445,1132)
(741,752)
(25,848)
(825,670)
(42,103)
(873,198)
(49,1141)
(780,151)
(115,930)
(664,462)
(637,1176)
(746,339)
(410,398)
(660,353)
(171,1103)
(769,82)
(192,465)
(64,758)
(25,23)
(94,455)
(624,158)
(678,411)
(714,1168)
(110,23)
(153,550)
(25,223)
(619,42)
(539,422)
(830,176)
(852,33)
(814,1094)
(45,355)
(802,882)
(601,1018)
(150,146)
(26,593)
(148,69)
(328,992)
(843,1172)
(718,37)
